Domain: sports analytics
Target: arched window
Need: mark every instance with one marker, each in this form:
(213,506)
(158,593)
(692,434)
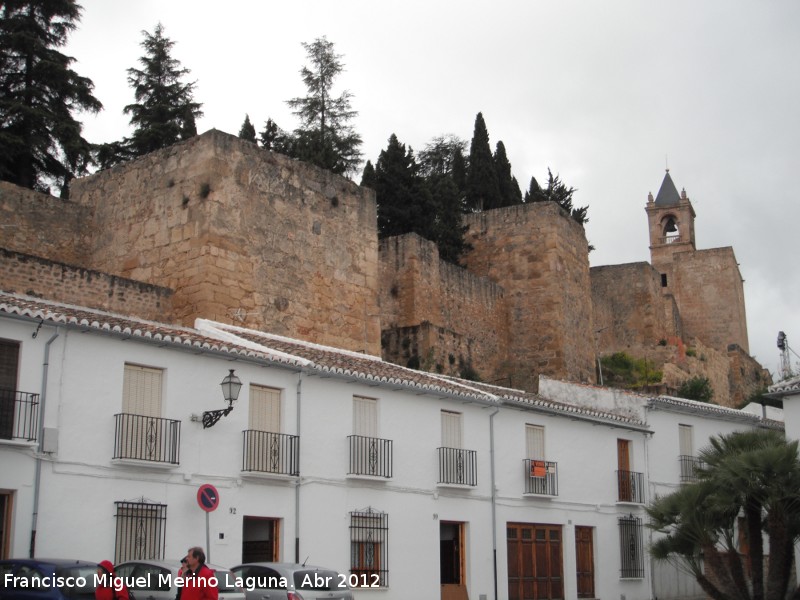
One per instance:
(670,231)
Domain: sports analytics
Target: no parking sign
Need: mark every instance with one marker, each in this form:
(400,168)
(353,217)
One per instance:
(208,497)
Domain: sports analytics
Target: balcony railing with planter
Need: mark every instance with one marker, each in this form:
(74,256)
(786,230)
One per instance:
(689,466)
(630,487)
(19,415)
(269,452)
(370,456)
(541,477)
(458,466)
(150,439)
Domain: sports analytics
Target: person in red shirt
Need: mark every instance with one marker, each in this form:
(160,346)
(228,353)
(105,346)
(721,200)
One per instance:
(106,589)
(200,582)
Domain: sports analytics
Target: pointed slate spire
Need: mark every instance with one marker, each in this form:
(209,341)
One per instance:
(668,194)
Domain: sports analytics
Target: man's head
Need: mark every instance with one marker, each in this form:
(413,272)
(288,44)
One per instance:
(195,557)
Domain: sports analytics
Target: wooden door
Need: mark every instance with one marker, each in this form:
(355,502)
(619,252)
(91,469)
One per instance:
(584,561)
(623,471)
(535,567)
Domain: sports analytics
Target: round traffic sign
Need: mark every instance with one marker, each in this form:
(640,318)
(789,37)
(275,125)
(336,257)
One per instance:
(208,497)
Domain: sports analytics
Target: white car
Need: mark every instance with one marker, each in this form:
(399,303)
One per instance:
(156,579)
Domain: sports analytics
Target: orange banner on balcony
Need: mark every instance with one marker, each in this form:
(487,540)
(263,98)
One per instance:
(538,468)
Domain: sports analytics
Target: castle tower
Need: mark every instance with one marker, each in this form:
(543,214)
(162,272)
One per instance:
(706,284)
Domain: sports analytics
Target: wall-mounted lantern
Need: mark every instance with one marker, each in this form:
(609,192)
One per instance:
(231,386)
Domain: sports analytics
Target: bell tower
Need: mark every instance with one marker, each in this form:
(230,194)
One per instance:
(671,221)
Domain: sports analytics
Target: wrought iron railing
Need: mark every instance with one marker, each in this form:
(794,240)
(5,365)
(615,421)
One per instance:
(541,477)
(19,415)
(268,452)
(370,456)
(152,439)
(458,466)
(630,487)
(689,466)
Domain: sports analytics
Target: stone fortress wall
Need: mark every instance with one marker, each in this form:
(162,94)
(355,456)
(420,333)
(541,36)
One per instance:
(219,228)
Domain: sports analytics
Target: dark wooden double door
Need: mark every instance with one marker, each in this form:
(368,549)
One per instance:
(535,561)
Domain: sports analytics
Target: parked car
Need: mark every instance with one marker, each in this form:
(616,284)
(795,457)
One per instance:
(156,579)
(292,581)
(47,579)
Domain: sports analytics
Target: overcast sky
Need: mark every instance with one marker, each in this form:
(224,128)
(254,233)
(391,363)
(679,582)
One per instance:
(604,93)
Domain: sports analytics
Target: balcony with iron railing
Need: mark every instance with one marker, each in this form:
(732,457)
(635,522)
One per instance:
(270,453)
(689,465)
(150,439)
(541,477)
(19,416)
(630,487)
(458,466)
(370,457)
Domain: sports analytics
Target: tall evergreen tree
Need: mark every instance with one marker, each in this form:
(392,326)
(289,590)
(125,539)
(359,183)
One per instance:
(165,110)
(325,137)
(508,188)
(557,191)
(40,139)
(247,131)
(534,192)
(368,177)
(482,190)
(404,202)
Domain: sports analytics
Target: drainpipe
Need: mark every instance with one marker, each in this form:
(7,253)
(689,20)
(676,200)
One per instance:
(297,483)
(38,476)
(494,498)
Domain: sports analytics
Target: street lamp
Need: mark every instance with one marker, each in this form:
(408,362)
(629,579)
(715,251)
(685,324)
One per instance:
(231,386)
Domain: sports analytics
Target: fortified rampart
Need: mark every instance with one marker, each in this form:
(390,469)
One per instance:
(40,277)
(630,310)
(708,287)
(43,225)
(240,234)
(216,227)
(539,256)
(437,316)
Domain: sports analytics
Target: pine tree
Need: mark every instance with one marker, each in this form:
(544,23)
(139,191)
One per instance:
(40,139)
(165,111)
(247,131)
(481,190)
(325,137)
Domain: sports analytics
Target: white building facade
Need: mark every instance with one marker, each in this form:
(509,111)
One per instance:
(420,485)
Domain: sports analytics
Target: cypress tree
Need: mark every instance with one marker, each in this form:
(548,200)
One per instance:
(247,131)
(482,191)
(508,187)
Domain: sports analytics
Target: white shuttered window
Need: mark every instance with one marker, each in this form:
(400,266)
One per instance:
(141,391)
(452,429)
(686,446)
(365,416)
(534,441)
(265,409)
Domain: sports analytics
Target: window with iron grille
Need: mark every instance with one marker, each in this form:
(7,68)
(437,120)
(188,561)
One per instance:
(141,529)
(369,547)
(631,547)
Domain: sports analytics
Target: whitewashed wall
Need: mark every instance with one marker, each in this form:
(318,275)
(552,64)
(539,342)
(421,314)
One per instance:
(81,482)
